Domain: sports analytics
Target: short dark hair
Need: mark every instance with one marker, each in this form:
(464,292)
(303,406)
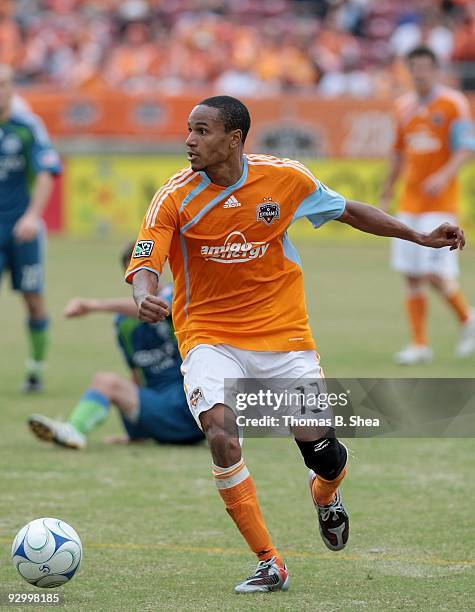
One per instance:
(126,253)
(232,111)
(422,51)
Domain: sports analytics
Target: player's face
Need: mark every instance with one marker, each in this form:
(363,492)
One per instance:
(424,73)
(208,144)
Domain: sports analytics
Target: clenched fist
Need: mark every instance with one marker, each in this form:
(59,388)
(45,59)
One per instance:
(153,309)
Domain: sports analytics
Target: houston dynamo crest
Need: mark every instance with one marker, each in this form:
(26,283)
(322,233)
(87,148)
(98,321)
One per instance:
(268,211)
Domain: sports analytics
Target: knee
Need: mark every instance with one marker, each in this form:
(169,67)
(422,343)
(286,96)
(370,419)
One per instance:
(35,304)
(221,440)
(446,286)
(107,383)
(221,432)
(415,285)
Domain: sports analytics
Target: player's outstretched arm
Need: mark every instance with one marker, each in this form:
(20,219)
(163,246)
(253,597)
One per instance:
(374,221)
(78,307)
(151,308)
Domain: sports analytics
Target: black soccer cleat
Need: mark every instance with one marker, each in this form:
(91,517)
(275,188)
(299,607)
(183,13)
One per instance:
(32,384)
(333,520)
(268,576)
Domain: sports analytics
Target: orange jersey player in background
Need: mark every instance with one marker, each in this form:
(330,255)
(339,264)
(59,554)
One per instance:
(239,309)
(434,137)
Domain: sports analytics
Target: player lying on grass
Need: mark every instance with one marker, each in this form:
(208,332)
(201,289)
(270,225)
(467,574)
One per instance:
(152,404)
(239,305)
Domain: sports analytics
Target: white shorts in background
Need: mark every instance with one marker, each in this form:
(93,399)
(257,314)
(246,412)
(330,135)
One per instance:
(415,260)
(206,367)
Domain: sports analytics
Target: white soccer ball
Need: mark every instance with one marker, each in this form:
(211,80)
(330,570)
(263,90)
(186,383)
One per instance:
(47,552)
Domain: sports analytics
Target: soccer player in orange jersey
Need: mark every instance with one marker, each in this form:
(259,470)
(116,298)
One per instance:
(434,138)
(239,306)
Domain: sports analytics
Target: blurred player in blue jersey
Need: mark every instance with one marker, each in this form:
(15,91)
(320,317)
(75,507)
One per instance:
(152,404)
(27,166)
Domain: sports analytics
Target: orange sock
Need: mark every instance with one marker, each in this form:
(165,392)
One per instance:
(459,304)
(323,491)
(417,311)
(238,491)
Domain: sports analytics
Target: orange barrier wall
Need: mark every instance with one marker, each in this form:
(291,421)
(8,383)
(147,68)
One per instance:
(106,192)
(293,126)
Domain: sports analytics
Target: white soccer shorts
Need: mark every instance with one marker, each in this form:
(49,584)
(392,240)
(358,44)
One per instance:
(207,367)
(415,260)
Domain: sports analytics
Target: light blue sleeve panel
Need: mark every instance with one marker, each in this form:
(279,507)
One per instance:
(43,156)
(462,135)
(321,206)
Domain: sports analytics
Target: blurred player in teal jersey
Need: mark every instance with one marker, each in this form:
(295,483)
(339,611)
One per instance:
(152,405)
(27,166)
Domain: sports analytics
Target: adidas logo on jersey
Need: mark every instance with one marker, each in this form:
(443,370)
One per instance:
(231,203)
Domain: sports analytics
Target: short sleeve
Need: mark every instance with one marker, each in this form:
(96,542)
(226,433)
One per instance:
(154,240)
(462,135)
(462,129)
(321,205)
(43,156)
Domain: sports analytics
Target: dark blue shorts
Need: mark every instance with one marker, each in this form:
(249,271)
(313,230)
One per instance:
(24,260)
(165,417)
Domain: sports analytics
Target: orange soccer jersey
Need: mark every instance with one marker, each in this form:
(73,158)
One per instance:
(237,277)
(427,134)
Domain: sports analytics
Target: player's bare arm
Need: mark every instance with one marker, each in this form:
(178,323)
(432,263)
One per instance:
(151,308)
(395,167)
(436,183)
(27,225)
(374,221)
(78,307)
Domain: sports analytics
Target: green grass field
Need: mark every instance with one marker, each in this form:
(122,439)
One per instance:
(155,534)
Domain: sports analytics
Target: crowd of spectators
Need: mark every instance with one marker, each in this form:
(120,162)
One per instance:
(241,47)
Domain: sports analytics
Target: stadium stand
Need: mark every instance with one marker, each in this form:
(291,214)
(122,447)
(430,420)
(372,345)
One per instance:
(328,47)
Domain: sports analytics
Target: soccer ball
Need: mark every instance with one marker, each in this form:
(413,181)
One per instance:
(47,552)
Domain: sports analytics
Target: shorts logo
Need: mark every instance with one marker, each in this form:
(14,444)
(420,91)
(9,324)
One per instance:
(236,249)
(143,248)
(32,277)
(195,397)
(268,211)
